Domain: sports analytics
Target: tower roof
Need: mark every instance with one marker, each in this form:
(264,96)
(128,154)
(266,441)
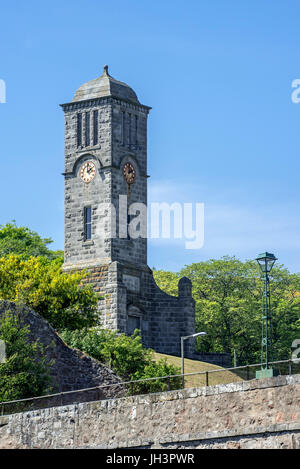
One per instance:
(105,85)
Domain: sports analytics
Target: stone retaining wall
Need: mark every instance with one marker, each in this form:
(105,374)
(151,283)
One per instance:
(254,414)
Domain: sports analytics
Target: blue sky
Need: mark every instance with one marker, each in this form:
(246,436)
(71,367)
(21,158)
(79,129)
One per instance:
(223,129)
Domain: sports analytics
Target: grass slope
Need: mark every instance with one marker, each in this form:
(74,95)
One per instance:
(192,366)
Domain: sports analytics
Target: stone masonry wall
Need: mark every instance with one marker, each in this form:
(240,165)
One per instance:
(96,277)
(164,319)
(109,156)
(253,414)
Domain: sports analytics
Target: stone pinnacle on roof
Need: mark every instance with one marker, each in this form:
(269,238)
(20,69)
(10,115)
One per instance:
(105,71)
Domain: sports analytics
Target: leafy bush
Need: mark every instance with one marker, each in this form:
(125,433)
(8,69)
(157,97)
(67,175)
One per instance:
(90,341)
(152,370)
(25,372)
(40,284)
(126,356)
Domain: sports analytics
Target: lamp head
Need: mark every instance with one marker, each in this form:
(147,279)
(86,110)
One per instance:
(266,260)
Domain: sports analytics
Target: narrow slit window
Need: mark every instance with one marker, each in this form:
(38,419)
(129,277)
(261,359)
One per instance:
(123,128)
(87,223)
(95,128)
(129,133)
(136,130)
(128,223)
(79,130)
(87,129)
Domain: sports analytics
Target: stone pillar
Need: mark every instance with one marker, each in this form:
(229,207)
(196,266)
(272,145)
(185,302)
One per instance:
(188,306)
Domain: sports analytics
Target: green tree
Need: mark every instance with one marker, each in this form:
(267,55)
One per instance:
(58,297)
(24,242)
(228,306)
(25,373)
(167,281)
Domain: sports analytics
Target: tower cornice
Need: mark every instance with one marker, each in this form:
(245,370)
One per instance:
(73,106)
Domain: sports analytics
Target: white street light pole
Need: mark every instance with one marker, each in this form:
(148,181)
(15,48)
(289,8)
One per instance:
(182,351)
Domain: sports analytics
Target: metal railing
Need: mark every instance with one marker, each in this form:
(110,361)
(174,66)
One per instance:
(146,386)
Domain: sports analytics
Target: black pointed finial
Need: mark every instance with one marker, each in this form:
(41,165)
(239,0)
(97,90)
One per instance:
(105,71)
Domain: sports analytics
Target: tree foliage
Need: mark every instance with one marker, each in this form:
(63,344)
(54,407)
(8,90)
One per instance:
(125,355)
(40,284)
(167,281)
(24,242)
(228,306)
(25,372)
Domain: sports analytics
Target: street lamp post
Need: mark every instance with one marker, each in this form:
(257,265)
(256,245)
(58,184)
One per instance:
(182,351)
(266,261)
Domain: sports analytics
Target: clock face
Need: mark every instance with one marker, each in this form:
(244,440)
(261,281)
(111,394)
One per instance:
(87,171)
(129,173)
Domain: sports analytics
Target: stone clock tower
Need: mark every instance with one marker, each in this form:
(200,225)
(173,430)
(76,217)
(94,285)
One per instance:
(105,188)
